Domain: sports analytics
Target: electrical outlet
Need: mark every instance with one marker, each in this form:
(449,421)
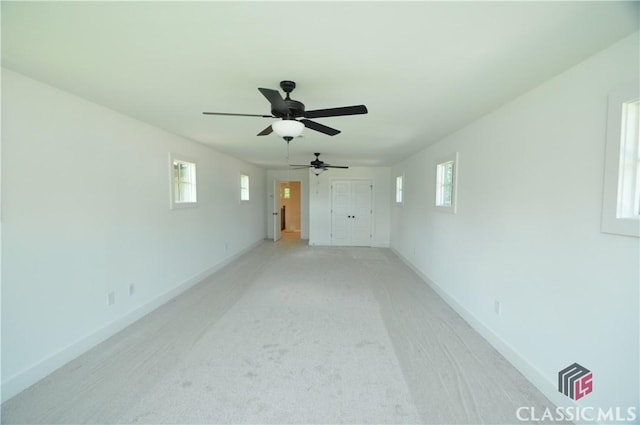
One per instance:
(132,289)
(497,307)
(111,298)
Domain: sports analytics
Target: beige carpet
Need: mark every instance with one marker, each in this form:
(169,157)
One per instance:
(289,334)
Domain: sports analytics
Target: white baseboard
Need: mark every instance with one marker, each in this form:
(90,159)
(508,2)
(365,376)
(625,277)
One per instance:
(328,243)
(376,244)
(24,379)
(533,374)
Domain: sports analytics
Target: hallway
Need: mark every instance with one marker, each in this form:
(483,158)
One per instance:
(289,334)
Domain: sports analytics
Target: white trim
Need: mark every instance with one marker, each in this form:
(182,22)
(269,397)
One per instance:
(454,183)
(532,373)
(29,376)
(181,205)
(243,174)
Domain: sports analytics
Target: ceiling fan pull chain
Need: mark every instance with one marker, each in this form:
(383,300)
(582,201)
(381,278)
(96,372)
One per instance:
(287,156)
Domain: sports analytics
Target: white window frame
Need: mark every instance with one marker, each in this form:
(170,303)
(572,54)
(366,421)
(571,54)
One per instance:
(440,163)
(400,189)
(245,192)
(620,206)
(177,204)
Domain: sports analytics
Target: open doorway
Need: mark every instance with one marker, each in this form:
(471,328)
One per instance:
(290,201)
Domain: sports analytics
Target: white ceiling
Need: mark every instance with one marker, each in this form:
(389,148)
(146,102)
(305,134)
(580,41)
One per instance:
(423,69)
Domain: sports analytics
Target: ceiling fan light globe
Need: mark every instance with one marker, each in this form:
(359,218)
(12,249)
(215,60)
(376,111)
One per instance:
(288,128)
(317,171)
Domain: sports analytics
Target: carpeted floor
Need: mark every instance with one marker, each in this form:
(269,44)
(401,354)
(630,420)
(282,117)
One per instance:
(289,334)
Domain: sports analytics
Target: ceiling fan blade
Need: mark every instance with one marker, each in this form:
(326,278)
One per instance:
(275,98)
(320,127)
(238,115)
(335,166)
(336,112)
(266,131)
(299,167)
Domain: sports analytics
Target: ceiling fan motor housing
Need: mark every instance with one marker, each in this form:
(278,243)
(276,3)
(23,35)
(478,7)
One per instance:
(296,109)
(317,163)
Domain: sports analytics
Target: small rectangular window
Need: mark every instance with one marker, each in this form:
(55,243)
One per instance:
(286,193)
(446,170)
(183,183)
(445,184)
(621,196)
(629,173)
(399,189)
(244,187)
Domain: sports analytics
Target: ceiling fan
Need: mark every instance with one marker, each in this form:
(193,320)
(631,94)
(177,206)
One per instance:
(290,110)
(317,166)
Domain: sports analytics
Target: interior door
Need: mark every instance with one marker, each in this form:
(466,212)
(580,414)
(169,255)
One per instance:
(340,213)
(361,212)
(351,212)
(277,234)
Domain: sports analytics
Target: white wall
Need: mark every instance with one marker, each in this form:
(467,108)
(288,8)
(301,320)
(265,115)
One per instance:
(288,175)
(320,202)
(527,232)
(85,198)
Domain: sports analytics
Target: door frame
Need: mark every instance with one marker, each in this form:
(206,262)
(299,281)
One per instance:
(275,212)
(275,203)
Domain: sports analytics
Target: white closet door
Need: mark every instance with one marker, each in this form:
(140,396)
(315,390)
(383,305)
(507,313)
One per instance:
(361,213)
(351,212)
(340,214)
